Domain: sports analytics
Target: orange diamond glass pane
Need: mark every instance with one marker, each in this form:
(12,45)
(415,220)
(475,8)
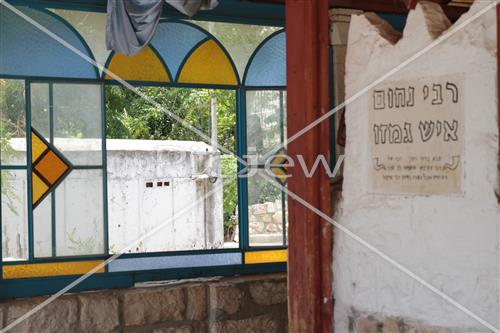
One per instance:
(39,188)
(37,146)
(51,167)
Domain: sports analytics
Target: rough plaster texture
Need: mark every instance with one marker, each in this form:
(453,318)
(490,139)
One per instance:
(450,241)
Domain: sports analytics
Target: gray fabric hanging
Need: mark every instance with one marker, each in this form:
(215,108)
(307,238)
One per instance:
(131,24)
(191,7)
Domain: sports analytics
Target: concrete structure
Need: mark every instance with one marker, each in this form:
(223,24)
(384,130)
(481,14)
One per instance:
(149,184)
(450,241)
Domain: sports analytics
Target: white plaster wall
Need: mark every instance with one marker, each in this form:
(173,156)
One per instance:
(450,241)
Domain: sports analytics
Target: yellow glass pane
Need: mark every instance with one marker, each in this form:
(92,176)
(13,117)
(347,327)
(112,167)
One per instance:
(37,146)
(262,257)
(144,66)
(208,64)
(39,188)
(51,167)
(51,269)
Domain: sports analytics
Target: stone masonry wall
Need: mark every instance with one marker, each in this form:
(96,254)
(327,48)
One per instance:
(218,305)
(265,218)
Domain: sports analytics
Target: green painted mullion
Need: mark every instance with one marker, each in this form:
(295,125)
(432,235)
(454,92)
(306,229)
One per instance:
(29,167)
(87,167)
(13,167)
(282,141)
(241,151)
(53,193)
(104,171)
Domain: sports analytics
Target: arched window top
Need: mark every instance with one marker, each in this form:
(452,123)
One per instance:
(28,51)
(143,66)
(267,66)
(189,54)
(174,41)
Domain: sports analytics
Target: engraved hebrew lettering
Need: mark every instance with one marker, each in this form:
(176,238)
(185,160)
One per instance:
(438,94)
(426,130)
(454,91)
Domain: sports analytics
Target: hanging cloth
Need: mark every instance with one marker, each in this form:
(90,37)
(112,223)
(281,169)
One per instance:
(131,24)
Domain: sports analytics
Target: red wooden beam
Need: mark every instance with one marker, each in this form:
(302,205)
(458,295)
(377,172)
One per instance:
(310,238)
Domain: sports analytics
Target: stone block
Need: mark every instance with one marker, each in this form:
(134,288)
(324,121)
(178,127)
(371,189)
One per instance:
(270,207)
(260,324)
(272,228)
(256,227)
(166,329)
(259,209)
(368,325)
(266,218)
(269,292)
(99,313)
(196,308)
(60,315)
(278,218)
(183,329)
(149,306)
(392,325)
(228,298)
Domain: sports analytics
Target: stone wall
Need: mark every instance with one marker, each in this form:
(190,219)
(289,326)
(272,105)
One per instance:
(266,223)
(218,305)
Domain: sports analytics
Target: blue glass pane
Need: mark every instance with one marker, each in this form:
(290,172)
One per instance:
(27,51)
(180,261)
(173,41)
(268,66)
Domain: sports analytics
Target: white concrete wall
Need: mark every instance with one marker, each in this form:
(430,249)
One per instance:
(450,241)
(133,208)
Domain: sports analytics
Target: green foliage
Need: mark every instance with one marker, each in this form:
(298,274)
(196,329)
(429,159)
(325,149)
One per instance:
(129,116)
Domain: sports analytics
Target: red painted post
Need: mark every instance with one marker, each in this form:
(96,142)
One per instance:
(310,238)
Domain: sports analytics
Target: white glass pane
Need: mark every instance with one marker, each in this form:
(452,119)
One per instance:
(14,215)
(40,109)
(12,123)
(266,123)
(79,214)
(265,212)
(77,122)
(42,228)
